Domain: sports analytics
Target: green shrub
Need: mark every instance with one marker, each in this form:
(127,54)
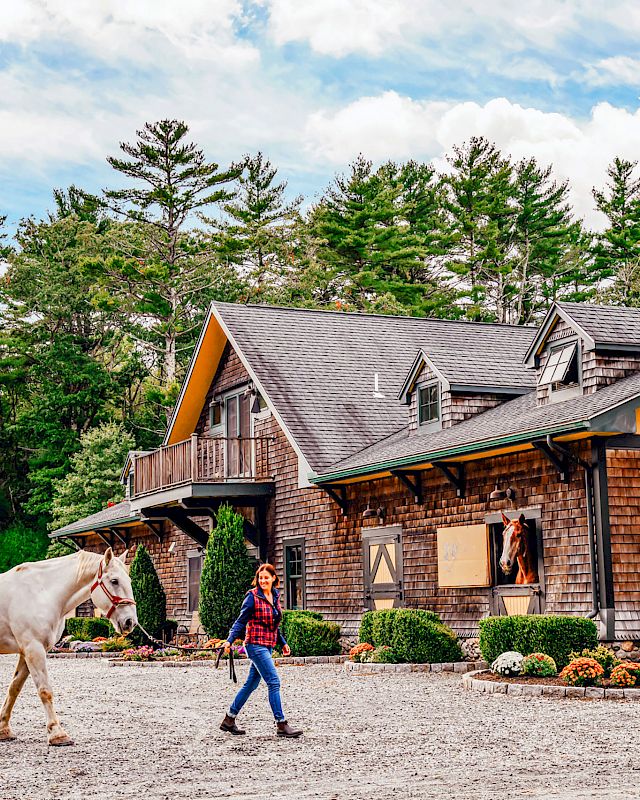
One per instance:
(313,637)
(602,654)
(555,635)
(289,618)
(116,644)
(19,544)
(377,627)
(87,628)
(227,573)
(419,640)
(365,634)
(58,549)
(539,665)
(149,595)
(383,655)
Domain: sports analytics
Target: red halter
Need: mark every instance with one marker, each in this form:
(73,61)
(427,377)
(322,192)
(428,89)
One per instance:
(116,600)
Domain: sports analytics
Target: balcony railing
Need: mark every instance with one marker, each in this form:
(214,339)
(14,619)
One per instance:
(202,459)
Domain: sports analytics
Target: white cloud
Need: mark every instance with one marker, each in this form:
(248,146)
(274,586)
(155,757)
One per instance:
(392,126)
(339,27)
(614,71)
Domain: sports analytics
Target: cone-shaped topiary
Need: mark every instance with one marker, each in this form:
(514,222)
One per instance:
(227,573)
(149,595)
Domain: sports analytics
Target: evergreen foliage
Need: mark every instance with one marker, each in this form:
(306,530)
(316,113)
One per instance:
(227,573)
(19,543)
(93,479)
(149,595)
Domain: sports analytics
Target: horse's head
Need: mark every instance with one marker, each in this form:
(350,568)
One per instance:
(514,541)
(112,594)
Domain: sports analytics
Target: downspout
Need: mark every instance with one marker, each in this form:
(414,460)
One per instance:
(588,488)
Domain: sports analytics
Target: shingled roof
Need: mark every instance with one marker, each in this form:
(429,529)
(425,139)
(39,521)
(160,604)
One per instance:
(318,367)
(609,325)
(112,515)
(517,420)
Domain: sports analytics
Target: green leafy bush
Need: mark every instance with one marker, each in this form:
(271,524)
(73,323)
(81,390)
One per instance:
(227,573)
(376,627)
(87,628)
(414,635)
(384,655)
(313,637)
(149,595)
(58,549)
(19,544)
(602,654)
(290,617)
(555,635)
(539,665)
(116,644)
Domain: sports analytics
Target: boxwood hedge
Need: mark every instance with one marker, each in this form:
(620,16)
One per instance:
(416,636)
(307,634)
(554,635)
(87,628)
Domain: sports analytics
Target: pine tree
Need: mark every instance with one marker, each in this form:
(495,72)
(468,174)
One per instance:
(165,269)
(543,235)
(149,595)
(227,573)
(617,248)
(258,235)
(480,217)
(94,476)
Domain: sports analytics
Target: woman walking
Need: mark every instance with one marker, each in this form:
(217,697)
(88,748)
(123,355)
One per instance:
(260,617)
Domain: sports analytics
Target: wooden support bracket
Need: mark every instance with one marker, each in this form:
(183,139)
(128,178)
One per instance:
(155,528)
(413,482)
(180,518)
(339,495)
(454,473)
(117,532)
(561,463)
(108,542)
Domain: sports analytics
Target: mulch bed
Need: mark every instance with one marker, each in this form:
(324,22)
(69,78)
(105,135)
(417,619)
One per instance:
(491,676)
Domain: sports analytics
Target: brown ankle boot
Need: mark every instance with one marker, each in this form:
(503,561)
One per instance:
(284,729)
(228,724)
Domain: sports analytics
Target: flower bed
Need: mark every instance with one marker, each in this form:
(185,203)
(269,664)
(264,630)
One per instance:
(530,686)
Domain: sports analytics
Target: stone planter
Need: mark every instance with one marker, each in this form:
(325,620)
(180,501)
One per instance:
(473,682)
(369,668)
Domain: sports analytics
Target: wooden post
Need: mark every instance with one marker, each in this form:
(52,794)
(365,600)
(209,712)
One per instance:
(603,540)
(194,457)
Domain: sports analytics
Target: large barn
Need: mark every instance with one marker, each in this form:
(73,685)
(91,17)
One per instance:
(376,460)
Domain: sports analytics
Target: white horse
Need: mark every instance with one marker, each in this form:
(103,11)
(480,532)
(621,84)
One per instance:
(34,599)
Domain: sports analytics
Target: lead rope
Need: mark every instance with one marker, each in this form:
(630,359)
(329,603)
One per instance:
(218,650)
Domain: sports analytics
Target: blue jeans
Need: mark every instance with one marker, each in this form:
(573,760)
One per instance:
(262,666)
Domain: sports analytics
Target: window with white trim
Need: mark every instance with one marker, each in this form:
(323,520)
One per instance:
(428,404)
(562,369)
(195,560)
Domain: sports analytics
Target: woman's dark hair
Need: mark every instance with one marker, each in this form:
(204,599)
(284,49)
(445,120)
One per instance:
(271,570)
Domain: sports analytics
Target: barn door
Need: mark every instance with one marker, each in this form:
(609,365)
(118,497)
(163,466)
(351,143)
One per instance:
(383,568)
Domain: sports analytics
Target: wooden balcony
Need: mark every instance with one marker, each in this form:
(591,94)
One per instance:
(202,459)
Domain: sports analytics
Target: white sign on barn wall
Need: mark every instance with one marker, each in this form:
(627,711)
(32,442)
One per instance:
(463,556)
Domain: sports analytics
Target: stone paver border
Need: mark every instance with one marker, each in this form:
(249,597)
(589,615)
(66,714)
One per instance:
(97,654)
(473,682)
(368,668)
(294,661)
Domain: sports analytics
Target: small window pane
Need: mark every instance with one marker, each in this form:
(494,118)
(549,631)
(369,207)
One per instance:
(215,416)
(194,569)
(294,571)
(552,362)
(428,399)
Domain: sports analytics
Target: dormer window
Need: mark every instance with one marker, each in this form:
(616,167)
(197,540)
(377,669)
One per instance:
(428,404)
(562,371)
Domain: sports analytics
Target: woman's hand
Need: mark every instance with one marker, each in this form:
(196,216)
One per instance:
(286,650)
(227,647)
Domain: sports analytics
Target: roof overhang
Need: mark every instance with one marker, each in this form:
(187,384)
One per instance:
(622,418)
(553,315)
(125,522)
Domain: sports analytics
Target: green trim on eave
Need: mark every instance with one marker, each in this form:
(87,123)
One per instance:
(438,455)
(108,524)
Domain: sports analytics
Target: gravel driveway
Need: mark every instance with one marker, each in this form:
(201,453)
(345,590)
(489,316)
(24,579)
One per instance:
(153,733)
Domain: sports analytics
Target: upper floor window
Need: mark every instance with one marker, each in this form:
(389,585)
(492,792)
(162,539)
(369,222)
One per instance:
(561,370)
(428,404)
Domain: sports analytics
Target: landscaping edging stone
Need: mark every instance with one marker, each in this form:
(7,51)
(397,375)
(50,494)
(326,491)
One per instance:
(292,661)
(473,682)
(98,654)
(369,668)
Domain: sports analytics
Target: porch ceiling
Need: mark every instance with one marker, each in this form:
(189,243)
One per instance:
(233,490)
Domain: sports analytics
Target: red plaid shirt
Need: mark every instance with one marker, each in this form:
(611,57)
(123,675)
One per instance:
(260,619)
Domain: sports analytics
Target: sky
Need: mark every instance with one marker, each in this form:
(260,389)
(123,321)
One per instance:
(313,83)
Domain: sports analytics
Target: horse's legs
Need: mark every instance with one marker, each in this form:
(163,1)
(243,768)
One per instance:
(20,676)
(36,657)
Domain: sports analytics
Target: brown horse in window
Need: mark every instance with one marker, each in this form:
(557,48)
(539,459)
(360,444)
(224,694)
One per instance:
(515,548)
